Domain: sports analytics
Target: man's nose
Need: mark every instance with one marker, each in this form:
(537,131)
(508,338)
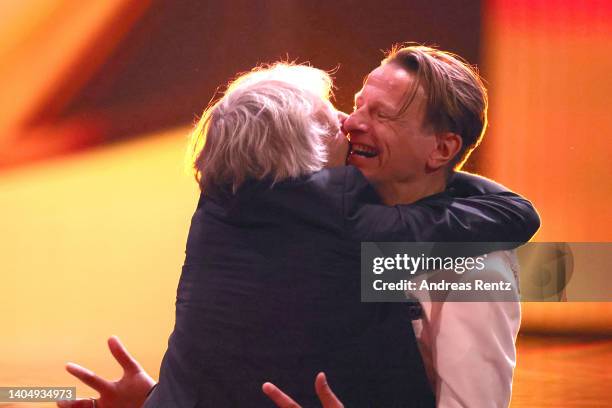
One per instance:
(355,123)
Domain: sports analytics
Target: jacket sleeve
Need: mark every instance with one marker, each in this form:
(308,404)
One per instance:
(472,209)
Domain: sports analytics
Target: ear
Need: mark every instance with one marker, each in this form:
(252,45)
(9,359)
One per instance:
(447,146)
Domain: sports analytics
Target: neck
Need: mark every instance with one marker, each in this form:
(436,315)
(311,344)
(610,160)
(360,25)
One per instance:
(407,192)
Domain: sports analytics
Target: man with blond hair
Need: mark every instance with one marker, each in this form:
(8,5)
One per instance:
(415,122)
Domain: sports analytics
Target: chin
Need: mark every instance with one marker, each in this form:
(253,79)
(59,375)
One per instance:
(368,173)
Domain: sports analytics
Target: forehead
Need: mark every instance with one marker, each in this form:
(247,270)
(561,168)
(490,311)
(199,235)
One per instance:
(391,86)
(389,76)
(389,80)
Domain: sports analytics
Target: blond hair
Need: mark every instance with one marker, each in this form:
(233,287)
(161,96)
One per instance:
(456,98)
(270,123)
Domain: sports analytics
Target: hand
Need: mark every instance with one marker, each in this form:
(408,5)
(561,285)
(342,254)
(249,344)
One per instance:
(338,145)
(128,392)
(326,396)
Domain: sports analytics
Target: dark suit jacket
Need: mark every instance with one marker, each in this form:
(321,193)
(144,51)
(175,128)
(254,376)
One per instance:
(270,290)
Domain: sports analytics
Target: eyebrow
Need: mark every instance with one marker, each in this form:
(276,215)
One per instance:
(383,105)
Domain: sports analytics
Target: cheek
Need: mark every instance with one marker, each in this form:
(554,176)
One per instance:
(425,147)
(409,153)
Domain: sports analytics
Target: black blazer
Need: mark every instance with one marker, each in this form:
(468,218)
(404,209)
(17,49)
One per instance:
(270,290)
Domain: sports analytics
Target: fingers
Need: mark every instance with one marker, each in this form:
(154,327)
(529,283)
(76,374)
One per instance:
(127,362)
(88,377)
(80,403)
(326,395)
(281,399)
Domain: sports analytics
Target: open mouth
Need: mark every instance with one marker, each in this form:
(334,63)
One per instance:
(363,150)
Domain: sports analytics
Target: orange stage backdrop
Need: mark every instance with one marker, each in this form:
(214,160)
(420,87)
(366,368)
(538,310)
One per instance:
(92,244)
(548,65)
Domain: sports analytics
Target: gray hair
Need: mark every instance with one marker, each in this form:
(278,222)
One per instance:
(271,122)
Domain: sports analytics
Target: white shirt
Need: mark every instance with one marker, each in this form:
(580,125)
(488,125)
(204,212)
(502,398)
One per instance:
(468,348)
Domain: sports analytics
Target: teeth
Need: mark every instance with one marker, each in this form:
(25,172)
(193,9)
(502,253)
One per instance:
(364,150)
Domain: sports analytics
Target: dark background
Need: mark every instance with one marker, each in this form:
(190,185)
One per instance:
(168,67)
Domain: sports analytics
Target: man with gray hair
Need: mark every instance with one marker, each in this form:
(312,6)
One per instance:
(269,289)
